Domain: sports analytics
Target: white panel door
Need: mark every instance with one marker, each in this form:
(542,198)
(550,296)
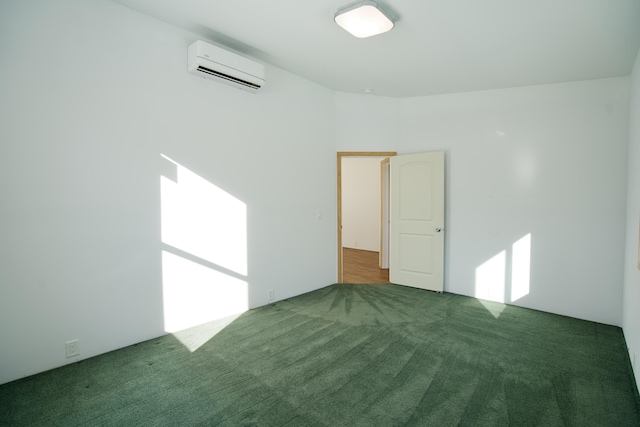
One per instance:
(416,256)
(384,213)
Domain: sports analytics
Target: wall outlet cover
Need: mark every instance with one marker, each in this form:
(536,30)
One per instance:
(72,348)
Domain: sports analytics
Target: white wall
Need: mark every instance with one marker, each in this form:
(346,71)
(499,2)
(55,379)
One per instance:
(361,203)
(546,161)
(80,176)
(631,302)
(366,123)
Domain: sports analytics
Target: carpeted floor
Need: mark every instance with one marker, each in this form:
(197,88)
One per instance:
(351,355)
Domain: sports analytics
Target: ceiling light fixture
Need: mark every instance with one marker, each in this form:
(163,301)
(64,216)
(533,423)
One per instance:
(363,19)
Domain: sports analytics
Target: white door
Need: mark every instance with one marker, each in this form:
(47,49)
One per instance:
(416,256)
(384,214)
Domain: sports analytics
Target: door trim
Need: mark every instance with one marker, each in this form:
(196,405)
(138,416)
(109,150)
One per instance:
(340,155)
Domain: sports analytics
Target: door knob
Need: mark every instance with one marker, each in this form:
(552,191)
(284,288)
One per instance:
(438,229)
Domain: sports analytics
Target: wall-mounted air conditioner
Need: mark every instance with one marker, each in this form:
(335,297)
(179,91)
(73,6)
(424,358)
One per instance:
(213,62)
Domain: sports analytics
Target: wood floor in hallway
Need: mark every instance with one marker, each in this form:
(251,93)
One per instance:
(362,267)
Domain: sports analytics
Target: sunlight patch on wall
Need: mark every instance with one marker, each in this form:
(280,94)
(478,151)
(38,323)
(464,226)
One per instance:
(195,294)
(205,221)
(204,264)
(491,282)
(520,268)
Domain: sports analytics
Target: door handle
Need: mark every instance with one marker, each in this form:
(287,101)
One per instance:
(438,229)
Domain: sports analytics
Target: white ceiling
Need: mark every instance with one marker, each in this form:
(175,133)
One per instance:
(437,46)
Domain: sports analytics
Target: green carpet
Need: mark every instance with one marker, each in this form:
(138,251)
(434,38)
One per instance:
(351,355)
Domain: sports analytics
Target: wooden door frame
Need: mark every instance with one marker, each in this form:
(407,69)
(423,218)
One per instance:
(340,155)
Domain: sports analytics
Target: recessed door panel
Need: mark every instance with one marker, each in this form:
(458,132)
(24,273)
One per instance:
(416,253)
(416,177)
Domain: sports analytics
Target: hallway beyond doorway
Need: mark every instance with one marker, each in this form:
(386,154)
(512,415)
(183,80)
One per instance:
(362,267)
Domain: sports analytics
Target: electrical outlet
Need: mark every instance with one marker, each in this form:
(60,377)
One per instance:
(72,347)
(271,295)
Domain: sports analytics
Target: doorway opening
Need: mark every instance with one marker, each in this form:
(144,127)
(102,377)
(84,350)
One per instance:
(362,256)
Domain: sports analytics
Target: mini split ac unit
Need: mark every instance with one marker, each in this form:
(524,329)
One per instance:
(213,62)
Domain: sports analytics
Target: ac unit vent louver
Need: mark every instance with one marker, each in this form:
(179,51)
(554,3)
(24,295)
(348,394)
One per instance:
(227,77)
(213,62)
